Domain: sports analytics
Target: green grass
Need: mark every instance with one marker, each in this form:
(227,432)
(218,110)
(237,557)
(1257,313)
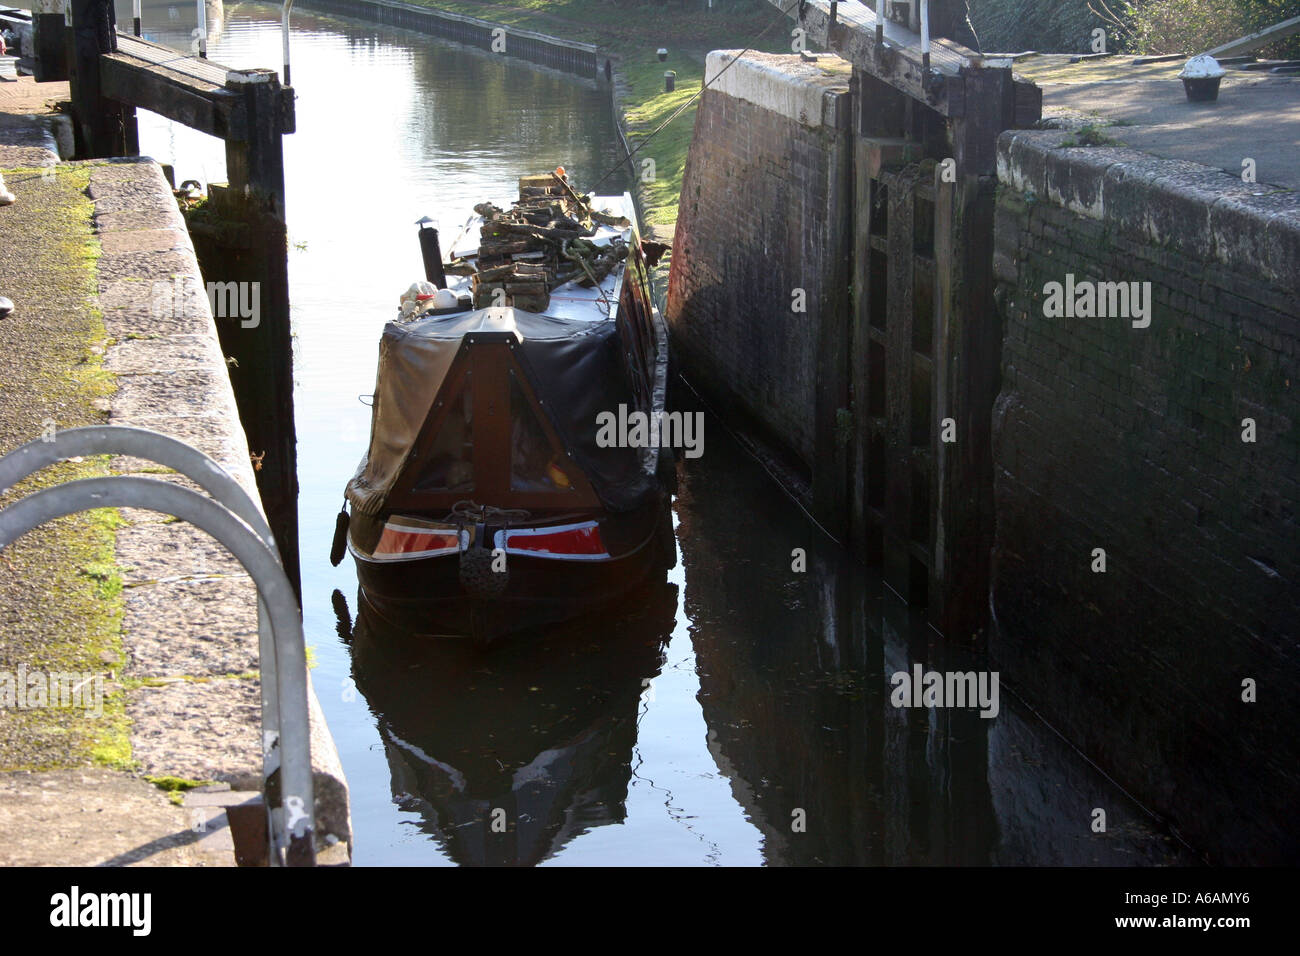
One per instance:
(1089,136)
(176,784)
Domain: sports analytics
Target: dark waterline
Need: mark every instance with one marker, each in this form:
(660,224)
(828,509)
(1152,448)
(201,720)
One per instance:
(734,700)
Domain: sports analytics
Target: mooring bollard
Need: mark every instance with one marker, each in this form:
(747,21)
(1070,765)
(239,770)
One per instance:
(670,80)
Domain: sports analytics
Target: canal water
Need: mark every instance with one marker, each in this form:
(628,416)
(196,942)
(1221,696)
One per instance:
(739,711)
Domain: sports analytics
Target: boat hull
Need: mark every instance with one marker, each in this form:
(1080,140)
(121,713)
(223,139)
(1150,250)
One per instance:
(427,597)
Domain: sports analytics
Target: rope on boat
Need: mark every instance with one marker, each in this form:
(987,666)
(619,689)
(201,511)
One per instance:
(467,510)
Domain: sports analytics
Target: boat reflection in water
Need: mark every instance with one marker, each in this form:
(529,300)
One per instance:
(509,752)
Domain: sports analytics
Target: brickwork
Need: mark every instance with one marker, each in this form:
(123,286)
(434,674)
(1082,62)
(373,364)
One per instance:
(760,216)
(1131,440)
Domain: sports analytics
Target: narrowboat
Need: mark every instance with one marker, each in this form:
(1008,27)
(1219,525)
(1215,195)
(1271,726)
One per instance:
(488,501)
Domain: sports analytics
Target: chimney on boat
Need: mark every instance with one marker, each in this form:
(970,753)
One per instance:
(432,253)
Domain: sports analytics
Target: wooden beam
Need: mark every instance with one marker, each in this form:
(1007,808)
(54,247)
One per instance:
(103,127)
(851,36)
(898,384)
(833,435)
(127,80)
(1253,41)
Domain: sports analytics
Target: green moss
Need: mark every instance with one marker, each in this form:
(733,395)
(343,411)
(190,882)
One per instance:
(1090,135)
(132,683)
(176,784)
(107,578)
(112,744)
(65,568)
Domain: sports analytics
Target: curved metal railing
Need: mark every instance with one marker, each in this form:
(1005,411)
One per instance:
(232,517)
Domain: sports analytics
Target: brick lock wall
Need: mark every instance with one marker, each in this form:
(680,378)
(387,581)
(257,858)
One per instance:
(1130,440)
(756,221)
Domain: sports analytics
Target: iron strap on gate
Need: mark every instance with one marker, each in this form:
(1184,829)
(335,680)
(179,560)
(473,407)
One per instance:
(232,517)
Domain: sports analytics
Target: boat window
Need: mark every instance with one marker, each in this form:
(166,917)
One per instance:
(450,465)
(536,464)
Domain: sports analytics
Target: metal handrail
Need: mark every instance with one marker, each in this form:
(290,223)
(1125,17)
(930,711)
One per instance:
(283,661)
(138,443)
(216,481)
(208,475)
(284,36)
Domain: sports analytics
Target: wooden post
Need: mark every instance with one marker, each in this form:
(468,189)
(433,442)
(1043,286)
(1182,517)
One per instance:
(968,348)
(834,416)
(48,37)
(879,121)
(860,526)
(255,150)
(898,388)
(256,251)
(102,127)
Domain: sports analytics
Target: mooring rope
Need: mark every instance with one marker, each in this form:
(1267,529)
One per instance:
(466,509)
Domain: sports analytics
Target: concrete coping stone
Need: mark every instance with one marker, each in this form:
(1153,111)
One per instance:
(1200,211)
(808,93)
(172,377)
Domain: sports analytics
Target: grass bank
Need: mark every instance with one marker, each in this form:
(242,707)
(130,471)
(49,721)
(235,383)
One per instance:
(631,35)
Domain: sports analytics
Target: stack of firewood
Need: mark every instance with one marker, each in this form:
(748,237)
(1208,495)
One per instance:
(528,250)
(524,285)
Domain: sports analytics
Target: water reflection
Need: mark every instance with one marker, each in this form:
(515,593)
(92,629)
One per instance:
(508,753)
(172,22)
(793,682)
(795,687)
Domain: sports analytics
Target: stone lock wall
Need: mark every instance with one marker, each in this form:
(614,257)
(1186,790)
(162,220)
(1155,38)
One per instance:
(763,212)
(1130,440)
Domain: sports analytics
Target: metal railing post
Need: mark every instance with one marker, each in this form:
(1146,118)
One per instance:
(284,36)
(202,28)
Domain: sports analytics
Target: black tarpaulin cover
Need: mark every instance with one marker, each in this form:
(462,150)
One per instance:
(576,369)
